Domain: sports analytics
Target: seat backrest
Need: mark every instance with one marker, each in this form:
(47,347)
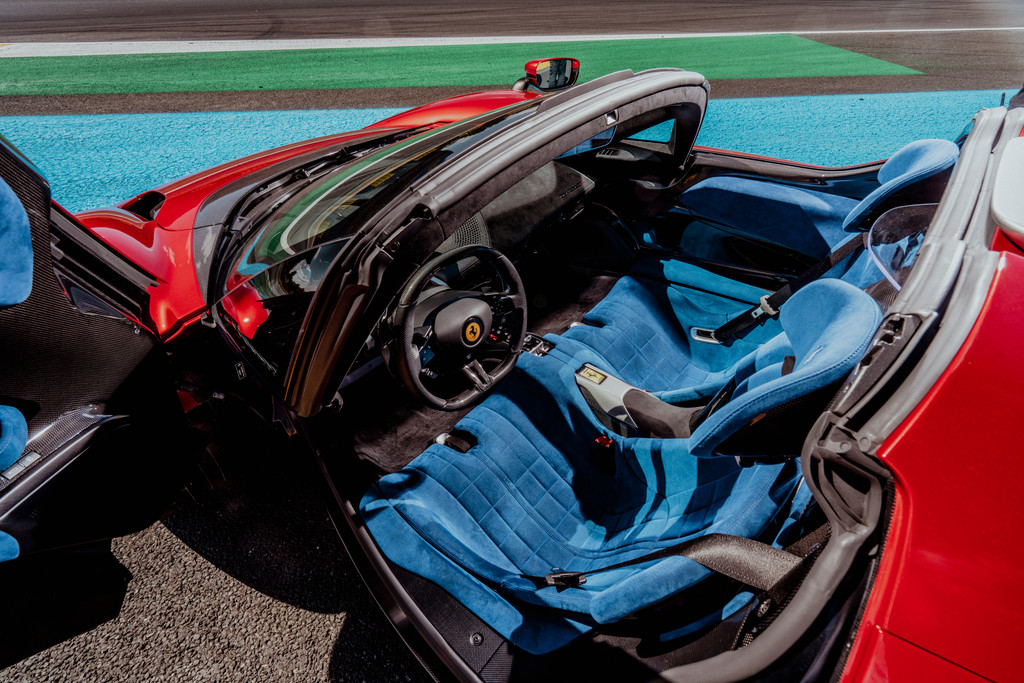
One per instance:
(827,327)
(914,163)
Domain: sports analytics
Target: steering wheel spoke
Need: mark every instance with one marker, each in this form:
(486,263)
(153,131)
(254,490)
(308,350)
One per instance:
(422,335)
(477,375)
(496,350)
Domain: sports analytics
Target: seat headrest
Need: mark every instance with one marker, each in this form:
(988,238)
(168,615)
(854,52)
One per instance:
(828,324)
(915,162)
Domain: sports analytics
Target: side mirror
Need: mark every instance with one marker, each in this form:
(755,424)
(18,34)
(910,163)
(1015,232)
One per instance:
(550,74)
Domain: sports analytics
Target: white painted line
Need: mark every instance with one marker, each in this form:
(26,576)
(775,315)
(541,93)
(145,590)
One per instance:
(170,47)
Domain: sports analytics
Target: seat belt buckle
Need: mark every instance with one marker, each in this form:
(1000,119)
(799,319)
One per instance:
(565,579)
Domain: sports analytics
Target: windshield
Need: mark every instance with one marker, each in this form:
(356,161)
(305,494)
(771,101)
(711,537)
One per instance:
(895,239)
(332,207)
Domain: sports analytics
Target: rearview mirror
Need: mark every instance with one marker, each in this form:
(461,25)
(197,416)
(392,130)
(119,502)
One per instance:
(553,73)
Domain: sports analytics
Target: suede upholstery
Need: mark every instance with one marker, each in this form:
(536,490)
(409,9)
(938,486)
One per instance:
(641,330)
(15,286)
(15,249)
(9,548)
(529,497)
(532,494)
(801,217)
(917,161)
(825,353)
(13,435)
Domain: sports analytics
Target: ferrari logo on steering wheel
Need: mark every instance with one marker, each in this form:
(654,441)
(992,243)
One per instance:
(472,331)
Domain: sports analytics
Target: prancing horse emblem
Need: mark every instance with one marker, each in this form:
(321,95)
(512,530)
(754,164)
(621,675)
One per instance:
(471,332)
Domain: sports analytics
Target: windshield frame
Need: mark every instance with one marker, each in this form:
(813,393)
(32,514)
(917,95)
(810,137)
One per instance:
(381,256)
(401,163)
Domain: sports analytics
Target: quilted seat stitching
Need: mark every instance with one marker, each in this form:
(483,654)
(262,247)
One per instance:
(552,534)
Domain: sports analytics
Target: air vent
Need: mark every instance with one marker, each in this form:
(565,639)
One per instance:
(146,205)
(616,153)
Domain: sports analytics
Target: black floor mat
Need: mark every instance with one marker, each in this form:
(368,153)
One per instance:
(393,426)
(563,298)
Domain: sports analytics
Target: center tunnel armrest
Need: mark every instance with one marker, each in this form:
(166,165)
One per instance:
(656,419)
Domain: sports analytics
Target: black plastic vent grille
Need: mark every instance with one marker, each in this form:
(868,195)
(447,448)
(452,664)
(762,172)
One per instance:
(76,259)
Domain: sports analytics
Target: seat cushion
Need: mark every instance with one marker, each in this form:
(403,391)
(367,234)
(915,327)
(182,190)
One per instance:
(15,249)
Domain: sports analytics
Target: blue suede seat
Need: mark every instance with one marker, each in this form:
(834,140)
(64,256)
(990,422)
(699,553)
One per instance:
(640,331)
(15,286)
(531,495)
(805,219)
(15,249)
(13,435)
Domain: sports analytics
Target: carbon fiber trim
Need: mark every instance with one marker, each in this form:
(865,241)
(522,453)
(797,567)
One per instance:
(65,428)
(56,359)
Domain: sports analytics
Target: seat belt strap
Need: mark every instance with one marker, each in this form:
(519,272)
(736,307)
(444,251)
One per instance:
(750,562)
(770,303)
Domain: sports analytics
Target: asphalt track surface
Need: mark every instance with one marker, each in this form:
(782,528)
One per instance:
(100,20)
(947,61)
(922,35)
(245,579)
(246,67)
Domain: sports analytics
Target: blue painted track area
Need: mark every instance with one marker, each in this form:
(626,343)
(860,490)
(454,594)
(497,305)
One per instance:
(100,160)
(839,130)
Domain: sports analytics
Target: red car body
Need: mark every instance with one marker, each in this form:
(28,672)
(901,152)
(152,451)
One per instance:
(938,603)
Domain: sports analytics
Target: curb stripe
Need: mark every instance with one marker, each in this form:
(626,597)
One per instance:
(760,57)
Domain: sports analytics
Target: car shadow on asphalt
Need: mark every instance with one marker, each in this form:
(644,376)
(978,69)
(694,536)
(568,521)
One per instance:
(256,512)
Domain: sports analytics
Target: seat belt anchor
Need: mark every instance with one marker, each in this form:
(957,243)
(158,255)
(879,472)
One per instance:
(565,579)
(703,334)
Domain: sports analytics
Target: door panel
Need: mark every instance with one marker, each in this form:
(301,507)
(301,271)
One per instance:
(108,447)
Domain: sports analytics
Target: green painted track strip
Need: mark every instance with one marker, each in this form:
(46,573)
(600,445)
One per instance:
(749,57)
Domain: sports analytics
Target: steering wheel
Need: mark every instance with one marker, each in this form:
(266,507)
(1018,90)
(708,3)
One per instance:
(458,327)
